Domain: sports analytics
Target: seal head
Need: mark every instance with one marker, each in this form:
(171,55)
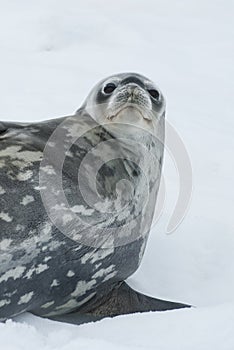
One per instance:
(127,98)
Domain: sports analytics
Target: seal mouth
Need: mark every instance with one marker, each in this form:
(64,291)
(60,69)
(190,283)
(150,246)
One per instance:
(133,107)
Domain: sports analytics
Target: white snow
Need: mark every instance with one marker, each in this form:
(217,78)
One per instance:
(52,53)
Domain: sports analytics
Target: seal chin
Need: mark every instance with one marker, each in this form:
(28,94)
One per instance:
(129,117)
(129,113)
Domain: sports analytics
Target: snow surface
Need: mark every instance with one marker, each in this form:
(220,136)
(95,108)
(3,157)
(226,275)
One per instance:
(52,53)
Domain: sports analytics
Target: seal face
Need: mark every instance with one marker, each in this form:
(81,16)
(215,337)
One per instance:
(127,98)
(77,199)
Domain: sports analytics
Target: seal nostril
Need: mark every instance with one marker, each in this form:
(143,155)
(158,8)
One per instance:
(109,88)
(133,90)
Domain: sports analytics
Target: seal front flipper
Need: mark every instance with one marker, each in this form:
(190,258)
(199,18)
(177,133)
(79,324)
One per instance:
(122,300)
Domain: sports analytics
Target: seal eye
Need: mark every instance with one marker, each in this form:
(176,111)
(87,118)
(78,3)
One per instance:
(109,88)
(154,93)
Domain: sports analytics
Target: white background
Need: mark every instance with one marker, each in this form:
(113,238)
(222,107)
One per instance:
(52,53)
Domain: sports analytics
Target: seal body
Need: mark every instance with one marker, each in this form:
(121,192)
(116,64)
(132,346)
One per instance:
(77,196)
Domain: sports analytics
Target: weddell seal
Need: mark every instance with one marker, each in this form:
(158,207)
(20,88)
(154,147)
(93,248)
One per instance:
(77,198)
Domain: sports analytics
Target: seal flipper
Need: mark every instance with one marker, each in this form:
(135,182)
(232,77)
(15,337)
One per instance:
(120,301)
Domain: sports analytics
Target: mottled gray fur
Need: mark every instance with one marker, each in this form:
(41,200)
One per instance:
(48,272)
